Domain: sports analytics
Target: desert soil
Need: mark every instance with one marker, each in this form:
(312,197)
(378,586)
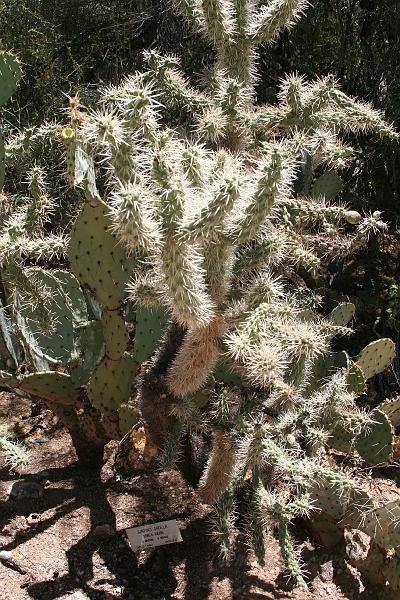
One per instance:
(65,527)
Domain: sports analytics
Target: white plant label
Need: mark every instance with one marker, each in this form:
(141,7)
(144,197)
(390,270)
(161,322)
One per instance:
(156,534)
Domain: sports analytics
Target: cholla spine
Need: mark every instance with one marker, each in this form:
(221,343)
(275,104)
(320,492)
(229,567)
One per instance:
(16,454)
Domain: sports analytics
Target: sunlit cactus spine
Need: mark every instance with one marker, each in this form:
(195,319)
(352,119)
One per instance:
(15,453)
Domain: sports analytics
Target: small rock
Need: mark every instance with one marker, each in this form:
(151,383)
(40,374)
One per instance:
(103,532)
(33,519)
(9,561)
(21,490)
(326,572)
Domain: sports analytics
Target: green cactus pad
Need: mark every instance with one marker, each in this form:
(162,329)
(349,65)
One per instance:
(329,186)
(391,408)
(96,259)
(110,383)
(115,335)
(10,74)
(382,524)
(88,351)
(376,445)
(341,439)
(376,357)
(324,365)
(10,348)
(128,417)
(58,345)
(326,530)
(74,296)
(347,507)
(342,314)
(356,383)
(8,379)
(52,386)
(150,326)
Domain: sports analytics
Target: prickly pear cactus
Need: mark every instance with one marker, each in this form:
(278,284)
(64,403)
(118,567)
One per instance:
(376,357)
(97,260)
(391,408)
(110,383)
(10,74)
(150,325)
(356,382)
(342,314)
(210,221)
(375,445)
(329,185)
(52,386)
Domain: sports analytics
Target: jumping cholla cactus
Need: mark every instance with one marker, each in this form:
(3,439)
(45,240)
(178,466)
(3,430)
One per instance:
(197,186)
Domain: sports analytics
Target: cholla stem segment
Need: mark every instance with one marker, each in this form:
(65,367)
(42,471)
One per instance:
(196,358)
(220,469)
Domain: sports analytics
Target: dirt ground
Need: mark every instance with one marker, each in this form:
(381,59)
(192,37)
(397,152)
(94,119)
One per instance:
(66,528)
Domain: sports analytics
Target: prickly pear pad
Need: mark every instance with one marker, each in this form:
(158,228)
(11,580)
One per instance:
(355,380)
(110,384)
(376,445)
(329,186)
(150,325)
(10,74)
(376,357)
(128,417)
(96,259)
(52,386)
(115,335)
(342,314)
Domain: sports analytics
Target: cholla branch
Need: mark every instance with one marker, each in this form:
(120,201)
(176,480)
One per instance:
(274,17)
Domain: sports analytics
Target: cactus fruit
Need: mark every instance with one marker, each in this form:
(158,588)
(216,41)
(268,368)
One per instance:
(376,357)
(352,217)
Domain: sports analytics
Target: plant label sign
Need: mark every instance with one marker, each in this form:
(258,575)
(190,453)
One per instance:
(156,534)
